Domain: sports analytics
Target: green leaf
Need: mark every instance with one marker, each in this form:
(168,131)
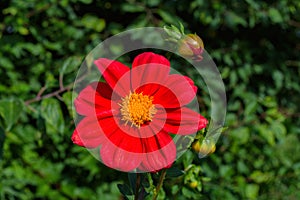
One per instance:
(188,158)
(266,133)
(124,189)
(132,181)
(132,8)
(275,15)
(251,191)
(279,130)
(10,111)
(51,112)
(86,1)
(278,79)
(251,108)
(93,22)
(71,64)
(253,4)
(153,2)
(5,63)
(189,193)
(167,17)
(287,150)
(260,177)
(233,19)
(174,172)
(242,167)
(241,135)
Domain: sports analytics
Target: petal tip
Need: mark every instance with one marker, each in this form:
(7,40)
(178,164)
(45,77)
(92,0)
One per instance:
(76,139)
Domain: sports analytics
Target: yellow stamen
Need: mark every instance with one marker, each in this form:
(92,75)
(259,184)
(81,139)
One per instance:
(137,109)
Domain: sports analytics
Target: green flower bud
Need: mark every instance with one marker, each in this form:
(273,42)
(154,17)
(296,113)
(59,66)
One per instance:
(191,46)
(203,148)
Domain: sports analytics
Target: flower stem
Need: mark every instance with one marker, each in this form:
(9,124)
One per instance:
(160,183)
(137,186)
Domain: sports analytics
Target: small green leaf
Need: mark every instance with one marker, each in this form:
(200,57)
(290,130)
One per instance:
(241,135)
(251,191)
(188,158)
(167,17)
(278,79)
(86,1)
(132,8)
(279,130)
(251,108)
(187,193)
(174,189)
(51,112)
(181,28)
(267,134)
(6,63)
(23,30)
(260,177)
(242,167)
(275,15)
(124,189)
(71,64)
(287,150)
(132,181)
(174,172)
(175,28)
(10,110)
(233,19)
(93,22)
(153,2)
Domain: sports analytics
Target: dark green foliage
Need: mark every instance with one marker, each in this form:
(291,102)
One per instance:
(255,45)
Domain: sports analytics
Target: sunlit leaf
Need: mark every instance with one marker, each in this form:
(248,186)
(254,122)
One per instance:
(10,111)
(51,112)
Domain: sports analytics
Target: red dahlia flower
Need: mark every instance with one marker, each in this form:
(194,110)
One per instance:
(131,115)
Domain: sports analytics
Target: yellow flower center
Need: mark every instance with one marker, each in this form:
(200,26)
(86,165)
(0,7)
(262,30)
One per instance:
(137,109)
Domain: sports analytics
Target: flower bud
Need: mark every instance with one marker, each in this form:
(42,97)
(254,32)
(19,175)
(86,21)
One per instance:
(203,148)
(191,46)
(193,184)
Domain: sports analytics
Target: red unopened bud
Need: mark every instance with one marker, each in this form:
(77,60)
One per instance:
(191,46)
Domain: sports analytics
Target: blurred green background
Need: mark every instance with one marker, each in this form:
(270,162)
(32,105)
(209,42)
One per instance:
(255,45)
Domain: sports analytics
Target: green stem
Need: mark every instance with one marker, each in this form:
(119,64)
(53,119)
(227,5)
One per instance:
(160,183)
(137,186)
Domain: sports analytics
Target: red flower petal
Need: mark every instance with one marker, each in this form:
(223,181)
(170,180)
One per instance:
(120,138)
(165,98)
(117,158)
(95,99)
(76,139)
(112,71)
(156,142)
(149,57)
(131,139)
(177,92)
(182,87)
(88,133)
(149,68)
(149,89)
(163,157)
(184,121)
(191,82)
